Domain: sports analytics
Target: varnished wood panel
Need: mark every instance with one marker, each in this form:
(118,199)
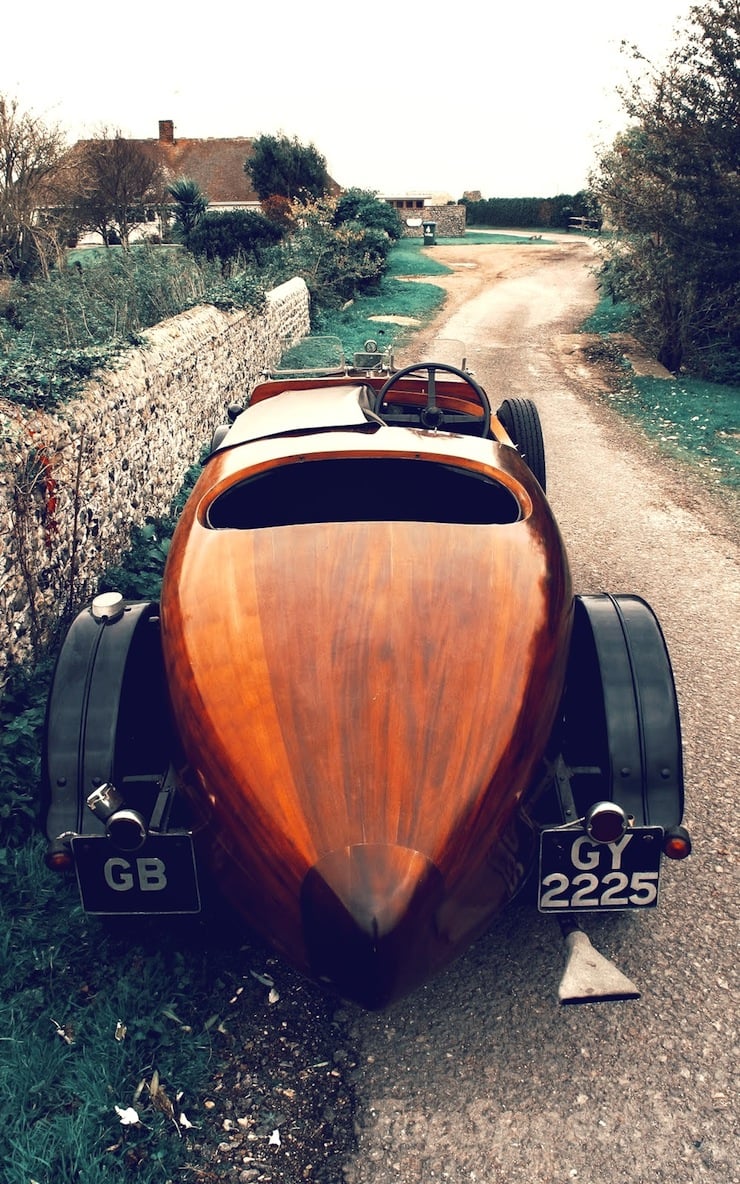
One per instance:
(365,685)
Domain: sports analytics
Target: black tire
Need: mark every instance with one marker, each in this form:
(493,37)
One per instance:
(218,437)
(521,421)
(621,732)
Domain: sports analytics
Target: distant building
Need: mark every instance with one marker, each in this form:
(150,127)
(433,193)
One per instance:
(407,201)
(216,166)
(416,208)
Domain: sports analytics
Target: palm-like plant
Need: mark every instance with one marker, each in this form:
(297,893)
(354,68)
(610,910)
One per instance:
(191,204)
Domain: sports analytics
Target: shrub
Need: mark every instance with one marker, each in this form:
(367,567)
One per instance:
(190,205)
(279,211)
(55,333)
(22,710)
(339,260)
(112,299)
(528,211)
(233,235)
(286,167)
(365,208)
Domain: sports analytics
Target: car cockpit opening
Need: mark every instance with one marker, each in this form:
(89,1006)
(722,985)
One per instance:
(372,489)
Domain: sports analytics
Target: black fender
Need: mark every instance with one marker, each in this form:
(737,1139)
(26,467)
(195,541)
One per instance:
(620,727)
(107,716)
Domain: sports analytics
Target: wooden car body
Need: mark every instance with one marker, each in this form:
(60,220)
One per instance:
(365,640)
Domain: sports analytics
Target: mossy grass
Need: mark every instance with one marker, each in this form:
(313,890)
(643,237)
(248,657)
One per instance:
(414,302)
(610,316)
(68,990)
(691,420)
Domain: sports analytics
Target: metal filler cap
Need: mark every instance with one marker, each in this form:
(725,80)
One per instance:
(108,606)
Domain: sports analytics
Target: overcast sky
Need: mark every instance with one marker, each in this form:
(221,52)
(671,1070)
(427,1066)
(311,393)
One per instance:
(397,96)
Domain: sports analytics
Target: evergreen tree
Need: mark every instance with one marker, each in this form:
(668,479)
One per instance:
(670,186)
(284,167)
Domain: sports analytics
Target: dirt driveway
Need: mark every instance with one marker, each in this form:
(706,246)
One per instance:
(499,297)
(480,1076)
(512,311)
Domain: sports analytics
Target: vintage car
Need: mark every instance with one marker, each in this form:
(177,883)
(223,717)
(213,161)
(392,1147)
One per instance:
(369,707)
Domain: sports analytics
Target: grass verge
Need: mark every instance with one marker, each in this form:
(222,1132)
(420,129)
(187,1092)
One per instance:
(693,421)
(160,1053)
(166,1050)
(416,302)
(67,994)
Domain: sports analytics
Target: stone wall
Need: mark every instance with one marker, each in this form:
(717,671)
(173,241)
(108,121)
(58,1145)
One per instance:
(450,221)
(73,484)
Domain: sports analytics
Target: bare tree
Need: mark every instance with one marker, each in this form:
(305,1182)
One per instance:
(31,156)
(117,179)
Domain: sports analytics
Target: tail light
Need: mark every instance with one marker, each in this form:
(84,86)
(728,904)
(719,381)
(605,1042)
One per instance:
(58,855)
(677,842)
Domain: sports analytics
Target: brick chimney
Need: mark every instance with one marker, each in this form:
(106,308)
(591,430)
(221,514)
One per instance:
(166,131)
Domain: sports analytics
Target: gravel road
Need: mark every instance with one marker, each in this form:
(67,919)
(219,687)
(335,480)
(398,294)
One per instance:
(481,1076)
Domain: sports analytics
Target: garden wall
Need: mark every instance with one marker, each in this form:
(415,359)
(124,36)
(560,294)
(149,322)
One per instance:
(73,484)
(450,221)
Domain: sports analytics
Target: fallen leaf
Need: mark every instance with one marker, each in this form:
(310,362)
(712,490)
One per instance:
(64,1033)
(266,979)
(127,1115)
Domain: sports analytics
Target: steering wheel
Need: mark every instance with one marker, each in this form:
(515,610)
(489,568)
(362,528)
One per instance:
(432,416)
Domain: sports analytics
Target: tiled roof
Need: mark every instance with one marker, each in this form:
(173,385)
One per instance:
(217,166)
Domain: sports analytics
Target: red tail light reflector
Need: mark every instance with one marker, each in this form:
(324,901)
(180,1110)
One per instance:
(58,855)
(677,843)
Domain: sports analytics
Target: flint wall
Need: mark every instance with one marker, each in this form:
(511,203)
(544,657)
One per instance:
(450,221)
(73,484)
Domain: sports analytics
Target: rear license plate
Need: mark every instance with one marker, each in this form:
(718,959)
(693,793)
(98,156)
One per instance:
(579,875)
(158,878)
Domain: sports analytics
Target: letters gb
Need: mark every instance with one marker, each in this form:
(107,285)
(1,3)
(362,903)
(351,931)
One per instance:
(148,873)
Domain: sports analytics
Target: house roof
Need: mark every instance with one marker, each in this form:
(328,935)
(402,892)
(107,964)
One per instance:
(217,166)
